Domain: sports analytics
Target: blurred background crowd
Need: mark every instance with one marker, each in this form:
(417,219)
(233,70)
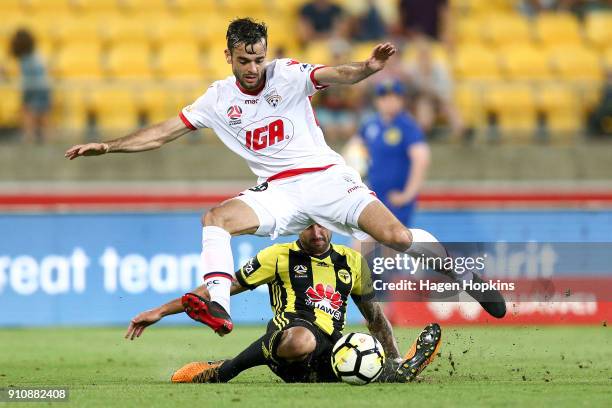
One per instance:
(475,71)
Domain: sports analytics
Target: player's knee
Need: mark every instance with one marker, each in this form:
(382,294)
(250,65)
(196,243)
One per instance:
(297,343)
(214,217)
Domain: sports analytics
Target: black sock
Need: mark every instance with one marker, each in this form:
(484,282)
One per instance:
(261,352)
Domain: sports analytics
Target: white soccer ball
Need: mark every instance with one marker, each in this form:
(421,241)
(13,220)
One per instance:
(358,358)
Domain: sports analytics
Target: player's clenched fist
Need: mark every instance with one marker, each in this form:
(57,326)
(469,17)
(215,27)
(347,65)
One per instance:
(89,149)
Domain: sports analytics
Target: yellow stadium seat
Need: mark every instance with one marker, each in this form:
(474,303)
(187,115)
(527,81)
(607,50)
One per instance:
(244,8)
(576,63)
(514,107)
(469,30)
(289,6)
(560,107)
(139,6)
(210,29)
(114,109)
(187,7)
(72,111)
(506,29)
(130,61)
(78,60)
(318,52)
(49,7)
(127,30)
(10,107)
(362,51)
(282,34)
(525,63)
(597,29)
(476,63)
(155,103)
(469,102)
(553,29)
(482,6)
(215,65)
(173,30)
(11,6)
(95,7)
(180,62)
(76,29)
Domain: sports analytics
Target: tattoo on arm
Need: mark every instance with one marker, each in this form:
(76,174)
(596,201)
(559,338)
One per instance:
(236,288)
(354,71)
(379,327)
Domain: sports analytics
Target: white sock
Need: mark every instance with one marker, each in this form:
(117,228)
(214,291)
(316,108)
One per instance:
(218,264)
(426,245)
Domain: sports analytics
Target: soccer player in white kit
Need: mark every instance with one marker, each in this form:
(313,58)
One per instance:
(263,113)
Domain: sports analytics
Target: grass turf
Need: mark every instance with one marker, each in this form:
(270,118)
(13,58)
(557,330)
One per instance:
(478,366)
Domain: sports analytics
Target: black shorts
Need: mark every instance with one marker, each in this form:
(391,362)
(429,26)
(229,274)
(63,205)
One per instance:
(317,367)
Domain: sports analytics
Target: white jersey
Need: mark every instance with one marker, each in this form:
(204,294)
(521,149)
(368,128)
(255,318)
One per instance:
(274,130)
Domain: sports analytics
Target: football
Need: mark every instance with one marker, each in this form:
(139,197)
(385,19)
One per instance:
(358,358)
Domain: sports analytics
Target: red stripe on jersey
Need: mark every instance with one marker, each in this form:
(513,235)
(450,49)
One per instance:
(254,92)
(218,275)
(186,121)
(297,172)
(316,83)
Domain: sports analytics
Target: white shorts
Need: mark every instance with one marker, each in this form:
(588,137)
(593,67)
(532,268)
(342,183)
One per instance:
(333,198)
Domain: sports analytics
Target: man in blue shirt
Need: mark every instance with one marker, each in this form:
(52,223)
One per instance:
(399,155)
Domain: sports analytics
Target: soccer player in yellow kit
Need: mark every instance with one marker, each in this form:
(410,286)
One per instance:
(310,281)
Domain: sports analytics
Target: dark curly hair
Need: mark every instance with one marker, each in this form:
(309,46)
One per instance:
(247,32)
(22,43)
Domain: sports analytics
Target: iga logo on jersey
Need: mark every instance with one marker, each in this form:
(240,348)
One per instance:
(326,298)
(267,136)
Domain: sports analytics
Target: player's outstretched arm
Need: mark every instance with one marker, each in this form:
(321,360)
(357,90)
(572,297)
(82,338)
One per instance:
(354,72)
(149,138)
(379,326)
(149,317)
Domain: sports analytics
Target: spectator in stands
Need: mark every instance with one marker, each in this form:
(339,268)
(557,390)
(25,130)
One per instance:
(399,155)
(431,87)
(36,93)
(600,121)
(429,18)
(337,108)
(367,21)
(321,20)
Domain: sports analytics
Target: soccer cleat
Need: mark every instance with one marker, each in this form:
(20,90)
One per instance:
(198,372)
(422,352)
(491,300)
(207,312)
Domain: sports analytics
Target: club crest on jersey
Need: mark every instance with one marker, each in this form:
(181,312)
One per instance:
(344,276)
(234,113)
(273,98)
(300,270)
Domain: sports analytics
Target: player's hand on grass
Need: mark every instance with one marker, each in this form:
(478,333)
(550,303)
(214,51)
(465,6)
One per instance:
(89,149)
(141,322)
(380,54)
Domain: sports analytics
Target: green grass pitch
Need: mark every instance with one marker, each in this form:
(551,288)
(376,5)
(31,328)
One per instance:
(478,366)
